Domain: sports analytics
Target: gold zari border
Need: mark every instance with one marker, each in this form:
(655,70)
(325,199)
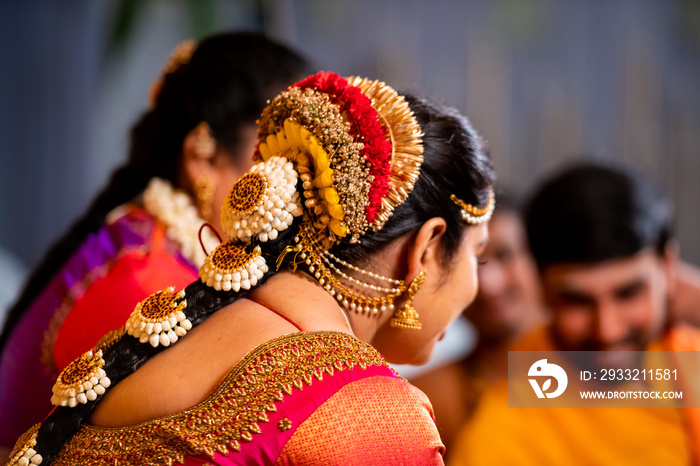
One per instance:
(232,412)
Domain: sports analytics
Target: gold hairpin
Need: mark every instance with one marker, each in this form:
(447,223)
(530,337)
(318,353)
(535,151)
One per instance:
(476,215)
(180,55)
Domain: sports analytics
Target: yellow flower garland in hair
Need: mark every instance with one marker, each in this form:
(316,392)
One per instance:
(298,144)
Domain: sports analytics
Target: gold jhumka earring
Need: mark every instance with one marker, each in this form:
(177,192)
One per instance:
(408,317)
(204,148)
(205,145)
(204,188)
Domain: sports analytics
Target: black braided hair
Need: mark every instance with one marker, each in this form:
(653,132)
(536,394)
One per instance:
(455,163)
(226,83)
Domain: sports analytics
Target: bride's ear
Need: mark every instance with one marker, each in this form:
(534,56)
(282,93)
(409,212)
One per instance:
(426,251)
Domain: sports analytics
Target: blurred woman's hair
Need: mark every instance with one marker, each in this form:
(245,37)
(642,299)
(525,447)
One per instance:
(226,83)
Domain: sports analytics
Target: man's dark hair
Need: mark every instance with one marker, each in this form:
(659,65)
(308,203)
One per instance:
(589,213)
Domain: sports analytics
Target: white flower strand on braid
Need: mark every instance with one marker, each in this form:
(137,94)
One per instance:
(263,202)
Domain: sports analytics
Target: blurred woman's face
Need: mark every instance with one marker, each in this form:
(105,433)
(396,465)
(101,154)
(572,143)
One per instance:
(448,289)
(509,293)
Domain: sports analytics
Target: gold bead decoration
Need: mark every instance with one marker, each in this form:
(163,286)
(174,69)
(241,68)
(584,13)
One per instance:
(318,262)
(284,424)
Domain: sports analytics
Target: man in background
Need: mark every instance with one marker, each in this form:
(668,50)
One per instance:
(601,238)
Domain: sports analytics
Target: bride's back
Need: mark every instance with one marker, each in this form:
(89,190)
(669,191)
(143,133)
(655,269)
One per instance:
(186,373)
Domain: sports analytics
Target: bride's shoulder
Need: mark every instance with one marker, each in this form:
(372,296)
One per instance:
(188,371)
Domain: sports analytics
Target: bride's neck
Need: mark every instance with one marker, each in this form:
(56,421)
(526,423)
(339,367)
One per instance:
(300,299)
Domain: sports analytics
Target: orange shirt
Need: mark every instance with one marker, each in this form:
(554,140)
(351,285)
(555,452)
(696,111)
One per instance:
(499,435)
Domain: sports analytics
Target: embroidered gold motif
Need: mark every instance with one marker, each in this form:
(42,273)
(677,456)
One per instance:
(232,413)
(284,424)
(110,339)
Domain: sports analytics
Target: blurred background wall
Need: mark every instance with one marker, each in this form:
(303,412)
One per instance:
(545,81)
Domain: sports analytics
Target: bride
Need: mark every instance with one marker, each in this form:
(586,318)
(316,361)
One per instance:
(353,241)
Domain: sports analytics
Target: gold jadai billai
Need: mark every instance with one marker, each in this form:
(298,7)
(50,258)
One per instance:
(231,267)
(159,319)
(24,453)
(81,381)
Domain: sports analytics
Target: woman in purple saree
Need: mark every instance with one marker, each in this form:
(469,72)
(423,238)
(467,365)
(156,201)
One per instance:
(141,232)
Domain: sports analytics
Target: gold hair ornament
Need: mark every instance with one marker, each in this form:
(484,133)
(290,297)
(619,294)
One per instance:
(81,381)
(312,162)
(159,319)
(231,267)
(263,202)
(181,55)
(408,316)
(321,267)
(476,215)
(24,454)
(406,138)
(356,144)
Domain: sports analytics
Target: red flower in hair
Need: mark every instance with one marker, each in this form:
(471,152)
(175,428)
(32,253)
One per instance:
(365,127)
